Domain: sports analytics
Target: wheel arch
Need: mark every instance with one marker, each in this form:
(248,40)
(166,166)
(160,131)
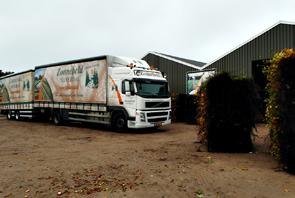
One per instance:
(116,110)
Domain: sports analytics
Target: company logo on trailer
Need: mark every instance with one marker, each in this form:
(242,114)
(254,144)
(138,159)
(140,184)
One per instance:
(69,71)
(67,74)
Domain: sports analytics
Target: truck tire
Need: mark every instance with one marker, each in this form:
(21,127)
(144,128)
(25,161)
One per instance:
(119,122)
(9,115)
(17,116)
(57,118)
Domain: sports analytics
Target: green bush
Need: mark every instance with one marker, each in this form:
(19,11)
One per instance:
(227,114)
(280,111)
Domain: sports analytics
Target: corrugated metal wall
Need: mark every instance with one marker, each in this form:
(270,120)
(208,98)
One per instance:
(176,73)
(239,62)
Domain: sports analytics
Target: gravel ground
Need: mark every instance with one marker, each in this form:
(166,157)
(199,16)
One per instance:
(42,160)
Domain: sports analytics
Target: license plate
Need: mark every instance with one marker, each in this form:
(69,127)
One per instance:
(157,124)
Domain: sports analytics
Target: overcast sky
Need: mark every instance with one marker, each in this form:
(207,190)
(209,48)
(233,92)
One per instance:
(36,32)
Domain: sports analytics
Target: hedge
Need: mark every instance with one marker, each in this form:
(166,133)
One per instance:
(227,114)
(280,110)
(184,108)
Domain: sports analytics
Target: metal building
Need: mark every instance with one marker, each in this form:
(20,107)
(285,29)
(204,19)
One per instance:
(246,59)
(175,68)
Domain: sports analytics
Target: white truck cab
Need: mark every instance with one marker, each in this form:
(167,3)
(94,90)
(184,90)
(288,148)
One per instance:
(145,92)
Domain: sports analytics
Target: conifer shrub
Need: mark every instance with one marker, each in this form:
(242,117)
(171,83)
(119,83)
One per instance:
(180,107)
(280,109)
(184,108)
(191,109)
(173,106)
(227,114)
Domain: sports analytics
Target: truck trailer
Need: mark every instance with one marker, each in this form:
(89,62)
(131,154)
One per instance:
(116,91)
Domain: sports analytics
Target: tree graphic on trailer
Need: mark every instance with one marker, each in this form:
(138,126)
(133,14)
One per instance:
(91,78)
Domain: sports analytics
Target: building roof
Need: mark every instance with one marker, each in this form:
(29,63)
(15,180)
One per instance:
(190,63)
(193,62)
(251,39)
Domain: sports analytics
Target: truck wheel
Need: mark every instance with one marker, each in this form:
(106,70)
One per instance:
(57,119)
(17,117)
(9,115)
(119,122)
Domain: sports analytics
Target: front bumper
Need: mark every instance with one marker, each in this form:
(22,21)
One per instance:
(147,119)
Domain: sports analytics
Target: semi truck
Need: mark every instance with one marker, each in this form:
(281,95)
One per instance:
(117,91)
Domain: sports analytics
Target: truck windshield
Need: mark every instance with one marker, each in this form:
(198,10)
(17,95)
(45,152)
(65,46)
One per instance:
(152,88)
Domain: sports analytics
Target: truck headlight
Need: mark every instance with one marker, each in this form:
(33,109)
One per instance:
(142,116)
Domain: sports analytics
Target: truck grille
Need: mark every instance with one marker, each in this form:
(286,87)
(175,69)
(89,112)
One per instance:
(157,119)
(157,116)
(156,104)
(152,114)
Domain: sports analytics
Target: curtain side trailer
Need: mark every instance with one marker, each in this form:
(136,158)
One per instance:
(117,91)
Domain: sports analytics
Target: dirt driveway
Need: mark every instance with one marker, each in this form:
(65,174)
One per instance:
(42,160)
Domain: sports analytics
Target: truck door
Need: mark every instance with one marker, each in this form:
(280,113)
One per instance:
(129,94)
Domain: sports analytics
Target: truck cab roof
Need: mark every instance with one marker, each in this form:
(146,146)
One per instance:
(119,61)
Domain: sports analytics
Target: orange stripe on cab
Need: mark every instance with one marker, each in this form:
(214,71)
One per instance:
(117,91)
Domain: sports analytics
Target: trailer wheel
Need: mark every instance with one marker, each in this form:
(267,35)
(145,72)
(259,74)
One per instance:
(119,122)
(17,116)
(9,115)
(57,119)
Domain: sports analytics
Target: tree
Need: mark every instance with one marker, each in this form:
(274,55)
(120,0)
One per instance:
(2,73)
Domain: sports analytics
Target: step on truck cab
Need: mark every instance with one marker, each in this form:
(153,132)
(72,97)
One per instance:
(117,91)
